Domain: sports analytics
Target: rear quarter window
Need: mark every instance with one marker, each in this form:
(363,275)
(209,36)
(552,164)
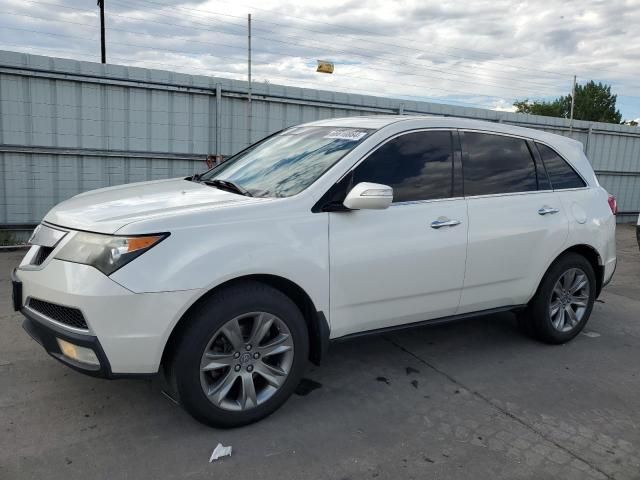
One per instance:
(561,174)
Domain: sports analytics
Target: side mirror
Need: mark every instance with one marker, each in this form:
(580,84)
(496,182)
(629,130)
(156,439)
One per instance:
(369,196)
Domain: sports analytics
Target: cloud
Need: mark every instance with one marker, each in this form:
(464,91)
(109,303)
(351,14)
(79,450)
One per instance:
(486,53)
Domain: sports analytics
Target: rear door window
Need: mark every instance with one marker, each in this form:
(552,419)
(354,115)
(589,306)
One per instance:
(560,173)
(495,164)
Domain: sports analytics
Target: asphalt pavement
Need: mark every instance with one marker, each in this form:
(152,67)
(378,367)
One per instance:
(473,399)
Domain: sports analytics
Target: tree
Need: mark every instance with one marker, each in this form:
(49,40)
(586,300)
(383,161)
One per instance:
(594,102)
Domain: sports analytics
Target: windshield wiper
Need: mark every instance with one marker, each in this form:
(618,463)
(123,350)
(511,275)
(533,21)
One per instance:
(228,185)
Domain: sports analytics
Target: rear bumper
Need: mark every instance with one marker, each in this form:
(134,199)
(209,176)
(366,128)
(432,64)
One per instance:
(609,270)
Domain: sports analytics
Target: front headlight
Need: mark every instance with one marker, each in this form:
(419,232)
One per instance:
(107,253)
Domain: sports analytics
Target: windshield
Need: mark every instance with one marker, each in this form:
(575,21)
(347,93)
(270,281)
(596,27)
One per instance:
(287,163)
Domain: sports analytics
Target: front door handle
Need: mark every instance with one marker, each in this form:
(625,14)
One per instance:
(444,222)
(547,210)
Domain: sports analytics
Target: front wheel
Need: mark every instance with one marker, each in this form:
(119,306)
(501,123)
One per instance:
(241,356)
(564,300)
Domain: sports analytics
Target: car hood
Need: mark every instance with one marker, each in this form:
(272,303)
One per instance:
(108,209)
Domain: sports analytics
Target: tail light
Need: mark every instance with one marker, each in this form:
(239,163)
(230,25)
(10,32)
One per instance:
(613,205)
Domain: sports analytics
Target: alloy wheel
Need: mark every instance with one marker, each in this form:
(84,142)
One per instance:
(569,300)
(246,361)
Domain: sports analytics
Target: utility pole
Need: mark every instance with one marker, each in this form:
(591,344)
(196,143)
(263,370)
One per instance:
(573,101)
(249,112)
(102,42)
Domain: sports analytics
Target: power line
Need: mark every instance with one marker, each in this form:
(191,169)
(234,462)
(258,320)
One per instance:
(538,71)
(285,80)
(220,56)
(352,53)
(324,46)
(376,58)
(368,40)
(123,30)
(144,47)
(310,30)
(526,91)
(450,91)
(455,80)
(394,64)
(376,34)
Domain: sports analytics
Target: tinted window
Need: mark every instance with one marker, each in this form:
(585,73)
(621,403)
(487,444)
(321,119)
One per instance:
(560,172)
(417,165)
(497,164)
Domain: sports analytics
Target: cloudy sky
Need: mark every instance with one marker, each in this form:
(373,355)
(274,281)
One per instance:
(474,53)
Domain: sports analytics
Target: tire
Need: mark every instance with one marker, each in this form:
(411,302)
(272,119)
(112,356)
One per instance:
(539,319)
(216,388)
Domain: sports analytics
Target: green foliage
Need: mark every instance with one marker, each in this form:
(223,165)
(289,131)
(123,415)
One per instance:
(550,109)
(7,238)
(594,102)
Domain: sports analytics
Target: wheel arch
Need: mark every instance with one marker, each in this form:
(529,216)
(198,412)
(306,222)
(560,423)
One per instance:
(593,257)
(316,321)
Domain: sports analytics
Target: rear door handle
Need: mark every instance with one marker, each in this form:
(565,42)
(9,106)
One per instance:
(547,210)
(444,222)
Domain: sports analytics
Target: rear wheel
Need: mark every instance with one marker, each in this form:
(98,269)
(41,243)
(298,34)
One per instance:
(241,356)
(564,300)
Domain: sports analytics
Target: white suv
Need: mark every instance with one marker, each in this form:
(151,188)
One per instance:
(232,280)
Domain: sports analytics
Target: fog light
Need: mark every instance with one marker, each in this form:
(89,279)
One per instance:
(78,353)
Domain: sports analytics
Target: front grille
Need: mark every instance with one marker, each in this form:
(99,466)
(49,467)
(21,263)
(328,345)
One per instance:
(41,255)
(65,315)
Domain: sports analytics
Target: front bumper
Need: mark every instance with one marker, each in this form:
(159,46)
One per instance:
(126,330)
(47,334)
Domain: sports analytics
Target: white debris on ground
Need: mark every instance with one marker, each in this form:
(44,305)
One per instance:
(220,451)
(591,334)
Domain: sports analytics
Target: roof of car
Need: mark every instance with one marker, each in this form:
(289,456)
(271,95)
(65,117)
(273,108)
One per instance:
(424,121)
(365,121)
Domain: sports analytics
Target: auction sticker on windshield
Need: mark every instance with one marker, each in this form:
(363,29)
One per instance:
(347,134)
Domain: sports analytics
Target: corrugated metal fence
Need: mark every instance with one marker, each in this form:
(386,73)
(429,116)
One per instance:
(69,126)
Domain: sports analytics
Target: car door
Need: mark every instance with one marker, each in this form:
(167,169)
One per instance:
(406,263)
(516,222)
